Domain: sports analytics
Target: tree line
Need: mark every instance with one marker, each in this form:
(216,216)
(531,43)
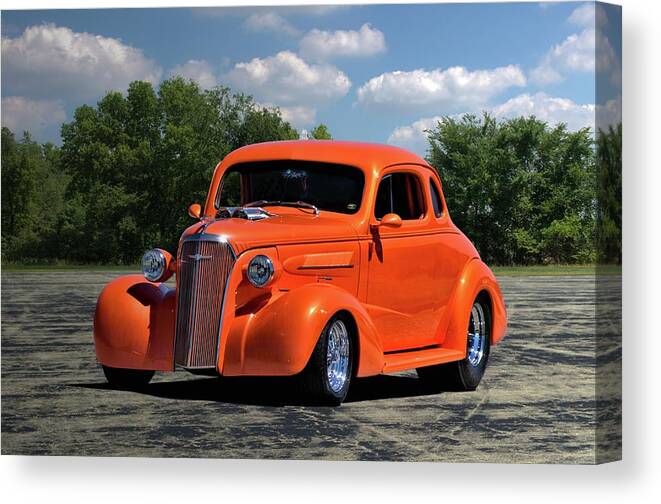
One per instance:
(127,169)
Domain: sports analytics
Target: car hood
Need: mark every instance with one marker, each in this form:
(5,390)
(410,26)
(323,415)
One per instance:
(279,229)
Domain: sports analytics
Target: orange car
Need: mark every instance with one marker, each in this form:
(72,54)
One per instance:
(329,260)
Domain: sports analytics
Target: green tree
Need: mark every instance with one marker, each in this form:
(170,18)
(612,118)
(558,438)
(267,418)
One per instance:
(32,197)
(521,190)
(320,132)
(609,195)
(137,161)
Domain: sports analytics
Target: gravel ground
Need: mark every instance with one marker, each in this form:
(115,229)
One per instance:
(542,400)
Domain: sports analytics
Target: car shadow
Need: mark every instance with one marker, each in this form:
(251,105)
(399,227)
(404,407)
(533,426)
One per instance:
(271,391)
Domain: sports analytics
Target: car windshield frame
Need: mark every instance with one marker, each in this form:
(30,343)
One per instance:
(320,178)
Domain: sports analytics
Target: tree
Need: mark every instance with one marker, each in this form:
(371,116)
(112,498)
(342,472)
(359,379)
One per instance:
(320,132)
(137,161)
(521,190)
(32,196)
(609,195)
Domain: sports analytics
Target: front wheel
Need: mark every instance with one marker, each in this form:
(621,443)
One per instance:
(465,374)
(127,378)
(327,376)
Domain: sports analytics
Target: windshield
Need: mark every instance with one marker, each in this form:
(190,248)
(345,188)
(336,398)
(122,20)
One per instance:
(331,187)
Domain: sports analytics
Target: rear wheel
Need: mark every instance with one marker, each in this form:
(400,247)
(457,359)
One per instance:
(127,378)
(465,374)
(327,376)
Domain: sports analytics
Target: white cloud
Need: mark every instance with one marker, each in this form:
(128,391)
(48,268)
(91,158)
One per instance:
(587,51)
(575,54)
(269,21)
(452,88)
(609,114)
(23,114)
(298,117)
(546,108)
(198,70)
(414,136)
(322,45)
(54,61)
(286,79)
(583,15)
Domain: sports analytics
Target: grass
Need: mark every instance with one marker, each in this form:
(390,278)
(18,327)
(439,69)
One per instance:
(550,270)
(558,270)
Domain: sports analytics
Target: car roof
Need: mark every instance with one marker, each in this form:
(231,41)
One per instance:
(367,156)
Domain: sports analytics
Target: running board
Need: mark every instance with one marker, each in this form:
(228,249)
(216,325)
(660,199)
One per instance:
(420,358)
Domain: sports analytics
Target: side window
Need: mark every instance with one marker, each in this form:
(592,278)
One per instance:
(400,193)
(436,199)
(229,192)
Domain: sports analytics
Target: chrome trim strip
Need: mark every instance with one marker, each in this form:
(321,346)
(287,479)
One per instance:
(207,237)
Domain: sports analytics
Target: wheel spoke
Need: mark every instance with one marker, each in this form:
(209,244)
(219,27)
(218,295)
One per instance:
(337,356)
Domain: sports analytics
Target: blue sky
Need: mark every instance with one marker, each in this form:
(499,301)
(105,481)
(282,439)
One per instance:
(380,73)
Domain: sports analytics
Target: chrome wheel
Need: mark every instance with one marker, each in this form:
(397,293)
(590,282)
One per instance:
(337,356)
(477,335)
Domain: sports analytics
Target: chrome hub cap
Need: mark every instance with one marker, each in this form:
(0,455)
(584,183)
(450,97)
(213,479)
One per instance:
(337,356)
(477,335)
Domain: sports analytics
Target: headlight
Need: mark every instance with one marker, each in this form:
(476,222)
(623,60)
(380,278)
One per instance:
(260,270)
(154,265)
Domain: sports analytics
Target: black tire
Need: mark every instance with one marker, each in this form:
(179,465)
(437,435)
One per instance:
(127,379)
(465,374)
(316,383)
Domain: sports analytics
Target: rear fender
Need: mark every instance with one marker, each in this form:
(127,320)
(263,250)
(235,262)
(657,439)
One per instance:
(134,324)
(278,338)
(475,278)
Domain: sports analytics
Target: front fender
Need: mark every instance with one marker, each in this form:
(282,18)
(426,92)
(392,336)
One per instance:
(475,278)
(279,337)
(134,324)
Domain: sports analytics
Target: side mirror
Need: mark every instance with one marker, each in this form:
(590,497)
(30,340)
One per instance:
(195,210)
(390,220)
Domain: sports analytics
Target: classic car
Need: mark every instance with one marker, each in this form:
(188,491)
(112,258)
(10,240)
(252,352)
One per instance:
(326,260)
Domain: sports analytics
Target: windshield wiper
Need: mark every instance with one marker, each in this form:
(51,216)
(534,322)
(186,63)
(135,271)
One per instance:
(299,204)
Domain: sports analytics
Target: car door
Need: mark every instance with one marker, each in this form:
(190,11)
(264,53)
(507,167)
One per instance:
(403,292)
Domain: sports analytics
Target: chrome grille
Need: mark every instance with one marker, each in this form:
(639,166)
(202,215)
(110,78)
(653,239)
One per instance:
(205,263)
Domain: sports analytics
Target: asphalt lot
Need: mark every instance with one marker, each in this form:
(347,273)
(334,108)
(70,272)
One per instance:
(536,403)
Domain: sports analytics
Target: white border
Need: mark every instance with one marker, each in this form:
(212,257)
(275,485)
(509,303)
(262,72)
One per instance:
(99,480)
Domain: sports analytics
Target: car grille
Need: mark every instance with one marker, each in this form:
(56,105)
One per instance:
(202,275)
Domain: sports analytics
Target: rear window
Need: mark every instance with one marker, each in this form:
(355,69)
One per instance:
(330,187)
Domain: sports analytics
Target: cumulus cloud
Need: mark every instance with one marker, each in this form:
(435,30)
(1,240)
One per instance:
(49,61)
(547,108)
(609,114)
(583,15)
(324,45)
(198,70)
(453,88)
(23,114)
(269,21)
(286,79)
(298,117)
(414,136)
(587,51)
(575,54)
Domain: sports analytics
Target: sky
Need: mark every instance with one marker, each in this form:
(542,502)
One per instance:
(377,73)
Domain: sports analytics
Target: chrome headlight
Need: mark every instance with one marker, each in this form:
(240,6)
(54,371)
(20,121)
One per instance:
(154,264)
(260,270)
